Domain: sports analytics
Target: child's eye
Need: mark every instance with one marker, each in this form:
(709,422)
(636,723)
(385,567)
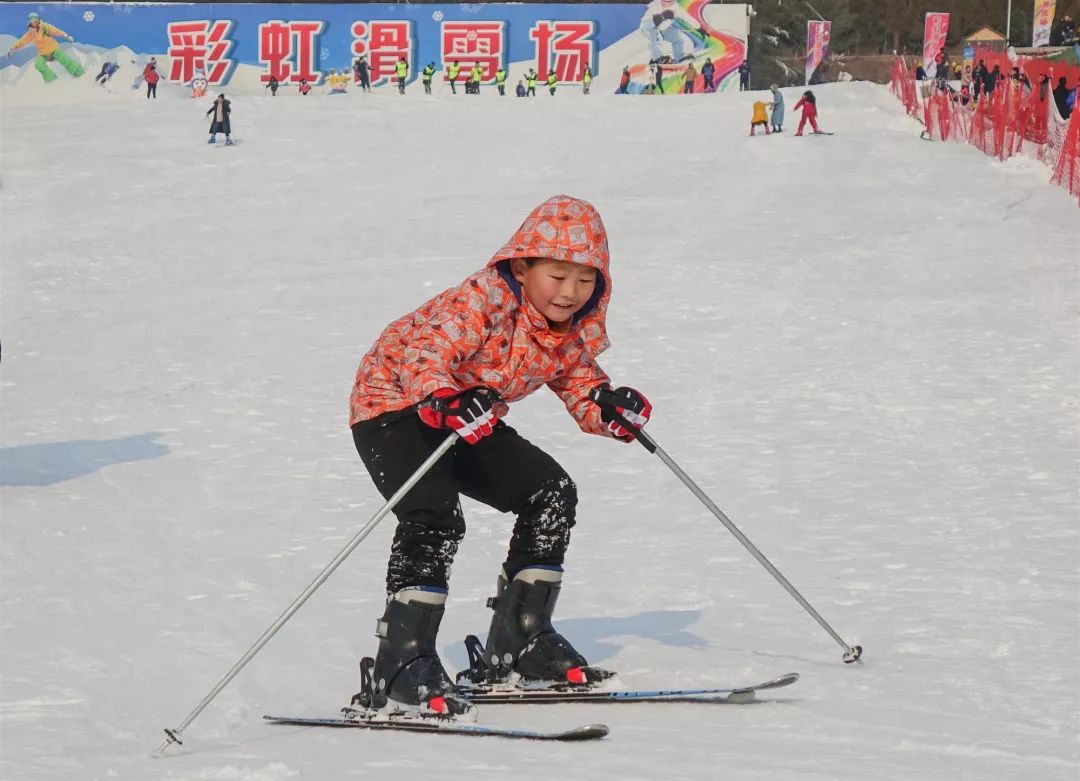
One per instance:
(560,279)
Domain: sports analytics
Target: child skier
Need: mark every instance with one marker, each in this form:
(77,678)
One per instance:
(808,103)
(272,85)
(534,315)
(760,118)
(220,122)
(151,76)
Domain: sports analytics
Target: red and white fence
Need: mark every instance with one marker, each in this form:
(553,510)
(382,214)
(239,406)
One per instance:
(1019,116)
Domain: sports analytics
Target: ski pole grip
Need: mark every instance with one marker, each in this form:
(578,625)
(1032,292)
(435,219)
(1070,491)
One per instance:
(606,399)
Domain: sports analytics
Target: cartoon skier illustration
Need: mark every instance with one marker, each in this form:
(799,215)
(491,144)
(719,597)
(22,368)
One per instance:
(658,24)
(43,35)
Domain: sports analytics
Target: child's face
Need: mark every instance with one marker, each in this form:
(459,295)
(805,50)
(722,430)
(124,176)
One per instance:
(557,289)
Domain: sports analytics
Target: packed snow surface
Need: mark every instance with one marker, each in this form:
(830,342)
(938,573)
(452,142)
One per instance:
(864,347)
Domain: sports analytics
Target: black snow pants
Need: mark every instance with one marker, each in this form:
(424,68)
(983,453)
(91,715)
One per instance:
(503,470)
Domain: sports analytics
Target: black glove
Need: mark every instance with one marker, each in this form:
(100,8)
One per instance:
(668,14)
(656,19)
(619,405)
(469,412)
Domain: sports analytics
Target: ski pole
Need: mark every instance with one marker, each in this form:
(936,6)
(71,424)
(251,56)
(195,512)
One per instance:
(173,735)
(605,398)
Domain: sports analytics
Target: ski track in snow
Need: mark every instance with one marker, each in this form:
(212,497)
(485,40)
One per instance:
(863,347)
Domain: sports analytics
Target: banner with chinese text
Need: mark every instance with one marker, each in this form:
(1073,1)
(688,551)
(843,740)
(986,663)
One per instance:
(937,30)
(242,46)
(817,45)
(1044,19)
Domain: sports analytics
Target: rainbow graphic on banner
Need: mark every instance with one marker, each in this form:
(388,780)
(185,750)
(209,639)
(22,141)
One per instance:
(726,51)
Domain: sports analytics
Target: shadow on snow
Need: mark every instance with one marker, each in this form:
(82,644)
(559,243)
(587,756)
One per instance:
(55,462)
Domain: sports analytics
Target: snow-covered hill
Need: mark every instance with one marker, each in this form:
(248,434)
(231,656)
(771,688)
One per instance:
(879,386)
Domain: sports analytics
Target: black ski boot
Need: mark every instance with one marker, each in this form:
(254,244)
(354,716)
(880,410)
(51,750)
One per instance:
(407,669)
(522,639)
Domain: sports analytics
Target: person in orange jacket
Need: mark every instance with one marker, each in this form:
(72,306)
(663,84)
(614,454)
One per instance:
(761,117)
(43,35)
(534,315)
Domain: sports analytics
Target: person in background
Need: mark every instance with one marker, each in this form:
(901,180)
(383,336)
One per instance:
(426,74)
(220,122)
(624,82)
(689,77)
(452,72)
(272,85)
(500,80)
(777,107)
(658,75)
(708,71)
(304,87)
(1061,98)
(401,72)
(744,76)
(152,77)
(520,90)
(475,74)
(530,83)
(363,74)
(586,80)
(552,81)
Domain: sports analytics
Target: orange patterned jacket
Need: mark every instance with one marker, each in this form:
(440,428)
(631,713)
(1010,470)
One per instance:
(485,331)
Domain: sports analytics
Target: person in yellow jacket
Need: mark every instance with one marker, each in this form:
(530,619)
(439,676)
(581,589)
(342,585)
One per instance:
(43,35)
(500,80)
(401,71)
(530,83)
(452,73)
(586,80)
(475,75)
(760,117)
(551,82)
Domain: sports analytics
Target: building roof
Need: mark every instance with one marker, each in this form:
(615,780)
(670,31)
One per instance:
(985,34)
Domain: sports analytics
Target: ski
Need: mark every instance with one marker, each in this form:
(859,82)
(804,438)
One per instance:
(496,696)
(446,727)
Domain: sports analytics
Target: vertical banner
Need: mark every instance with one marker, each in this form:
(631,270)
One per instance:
(1044,17)
(817,45)
(937,29)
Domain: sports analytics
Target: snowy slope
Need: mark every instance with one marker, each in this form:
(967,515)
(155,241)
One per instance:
(864,347)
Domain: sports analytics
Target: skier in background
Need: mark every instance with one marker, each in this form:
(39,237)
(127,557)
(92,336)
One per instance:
(500,80)
(272,85)
(534,315)
(624,81)
(808,104)
(151,77)
(586,80)
(473,84)
(43,35)
(401,71)
(552,81)
(744,76)
(220,122)
(530,83)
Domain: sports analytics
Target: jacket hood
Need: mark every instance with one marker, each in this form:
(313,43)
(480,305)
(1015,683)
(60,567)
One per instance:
(567,229)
